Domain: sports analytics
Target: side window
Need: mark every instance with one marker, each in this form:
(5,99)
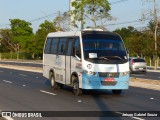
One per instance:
(48,46)
(54,45)
(70,46)
(77,47)
(62,46)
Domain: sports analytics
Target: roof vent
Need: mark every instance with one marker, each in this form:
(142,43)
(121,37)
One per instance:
(90,29)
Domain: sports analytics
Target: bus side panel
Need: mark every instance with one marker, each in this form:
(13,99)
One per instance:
(60,68)
(48,64)
(76,67)
(68,70)
(56,63)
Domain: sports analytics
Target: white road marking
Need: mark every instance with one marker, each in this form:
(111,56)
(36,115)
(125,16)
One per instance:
(7,81)
(24,85)
(22,74)
(151,98)
(137,118)
(1,71)
(79,101)
(8,118)
(47,92)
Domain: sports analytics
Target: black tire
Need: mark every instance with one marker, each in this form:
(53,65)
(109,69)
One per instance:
(117,92)
(54,84)
(60,86)
(76,90)
(144,72)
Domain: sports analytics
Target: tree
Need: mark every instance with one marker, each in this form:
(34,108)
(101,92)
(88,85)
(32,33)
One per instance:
(138,43)
(40,36)
(151,26)
(7,40)
(91,10)
(126,32)
(61,22)
(22,35)
(154,15)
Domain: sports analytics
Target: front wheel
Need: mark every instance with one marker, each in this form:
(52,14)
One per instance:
(76,90)
(116,92)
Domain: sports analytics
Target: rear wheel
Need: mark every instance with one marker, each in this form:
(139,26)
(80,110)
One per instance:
(76,90)
(116,92)
(60,86)
(54,84)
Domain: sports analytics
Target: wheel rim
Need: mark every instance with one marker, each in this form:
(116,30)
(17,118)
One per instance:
(52,82)
(75,87)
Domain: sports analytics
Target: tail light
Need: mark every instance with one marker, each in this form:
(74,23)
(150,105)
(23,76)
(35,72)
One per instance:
(132,61)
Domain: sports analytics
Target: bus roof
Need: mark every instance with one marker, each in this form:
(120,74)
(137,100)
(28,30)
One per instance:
(78,33)
(64,34)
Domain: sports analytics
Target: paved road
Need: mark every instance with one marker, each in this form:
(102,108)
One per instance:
(149,75)
(29,91)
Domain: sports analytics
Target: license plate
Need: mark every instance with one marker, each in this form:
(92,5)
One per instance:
(109,82)
(140,68)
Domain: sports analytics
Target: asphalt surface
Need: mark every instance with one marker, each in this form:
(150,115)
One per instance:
(149,75)
(29,91)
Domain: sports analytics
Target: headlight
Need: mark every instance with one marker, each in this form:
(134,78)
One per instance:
(125,73)
(89,72)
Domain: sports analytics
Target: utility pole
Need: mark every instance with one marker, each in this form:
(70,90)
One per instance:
(59,19)
(155,34)
(0,47)
(82,17)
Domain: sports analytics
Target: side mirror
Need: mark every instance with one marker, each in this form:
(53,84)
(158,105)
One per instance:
(77,58)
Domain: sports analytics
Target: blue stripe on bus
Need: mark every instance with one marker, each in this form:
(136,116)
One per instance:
(94,82)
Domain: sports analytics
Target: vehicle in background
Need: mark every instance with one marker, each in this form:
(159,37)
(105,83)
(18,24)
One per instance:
(137,65)
(89,59)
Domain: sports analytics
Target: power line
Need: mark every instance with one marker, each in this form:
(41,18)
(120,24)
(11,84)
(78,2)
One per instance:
(117,2)
(123,23)
(40,18)
(34,20)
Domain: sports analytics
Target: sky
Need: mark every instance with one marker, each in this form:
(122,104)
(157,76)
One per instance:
(124,11)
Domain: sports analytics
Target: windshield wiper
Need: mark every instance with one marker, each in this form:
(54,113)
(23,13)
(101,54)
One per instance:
(105,58)
(117,57)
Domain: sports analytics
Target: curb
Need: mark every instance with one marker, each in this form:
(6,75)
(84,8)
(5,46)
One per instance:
(23,68)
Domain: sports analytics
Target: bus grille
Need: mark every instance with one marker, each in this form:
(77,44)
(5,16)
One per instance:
(106,74)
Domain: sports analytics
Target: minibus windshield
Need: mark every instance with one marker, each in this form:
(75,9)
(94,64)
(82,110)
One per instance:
(104,48)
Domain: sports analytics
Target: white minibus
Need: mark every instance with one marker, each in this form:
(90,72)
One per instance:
(88,59)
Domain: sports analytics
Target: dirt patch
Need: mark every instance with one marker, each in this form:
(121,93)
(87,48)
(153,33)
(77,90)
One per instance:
(145,83)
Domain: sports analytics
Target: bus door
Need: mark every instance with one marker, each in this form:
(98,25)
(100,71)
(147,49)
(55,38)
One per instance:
(60,73)
(68,59)
(73,58)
